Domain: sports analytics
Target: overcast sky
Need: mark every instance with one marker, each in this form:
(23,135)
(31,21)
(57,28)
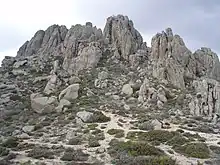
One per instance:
(196,21)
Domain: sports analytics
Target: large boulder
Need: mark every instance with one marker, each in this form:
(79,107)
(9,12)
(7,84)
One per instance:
(120,32)
(52,85)
(8,61)
(28,128)
(85,116)
(127,89)
(207,99)
(42,104)
(54,81)
(143,91)
(70,93)
(207,64)
(63,104)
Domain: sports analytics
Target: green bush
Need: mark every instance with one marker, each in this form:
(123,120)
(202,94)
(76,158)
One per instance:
(162,160)
(96,131)
(154,135)
(146,126)
(138,148)
(25,146)
(99,117)
(93,142)
(100,136)
(75,141)
(11,142)
(196,150)
(3,151)
(92,126)
(177,140)
(117,132)
(215,149)
(41,152)
(149,160)
(74,155)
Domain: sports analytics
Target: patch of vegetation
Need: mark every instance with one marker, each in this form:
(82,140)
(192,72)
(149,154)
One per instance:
(75,141)
(215,149)
(96,131)
(41,152)
(92,126)
(177,140)
(180,130)
(3,151)
(171,151)
(155,143)
(120,135)
(24,146)
(100,136)
(150,160)
(137,149)
(154,135)
(10,156)
(93,142)
(38,126)
(11,142)
(5,162)
(74,155)
(146,126)
(92,102)
(117,132)
(203,128)
(196,150)
(85,131)
(99,117)
(15,97)
(194,136)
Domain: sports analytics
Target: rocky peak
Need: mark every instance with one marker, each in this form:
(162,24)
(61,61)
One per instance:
(43,42)
(122,35)
(169,56)
(83,47)
(207,63)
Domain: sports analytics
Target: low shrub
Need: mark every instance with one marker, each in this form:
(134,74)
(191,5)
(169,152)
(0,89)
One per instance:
(75,141)
(196,150)
(117,132)
(93,142)
(11,142)
(137,149)
(3,151)
(74,155)
(41,152)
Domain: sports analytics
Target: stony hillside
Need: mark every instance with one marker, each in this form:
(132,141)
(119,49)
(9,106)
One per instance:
(83,96)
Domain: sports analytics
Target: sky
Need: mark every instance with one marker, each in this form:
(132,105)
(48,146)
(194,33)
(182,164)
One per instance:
(196,21)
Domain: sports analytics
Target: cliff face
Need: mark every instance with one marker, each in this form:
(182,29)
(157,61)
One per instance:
(63,79)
